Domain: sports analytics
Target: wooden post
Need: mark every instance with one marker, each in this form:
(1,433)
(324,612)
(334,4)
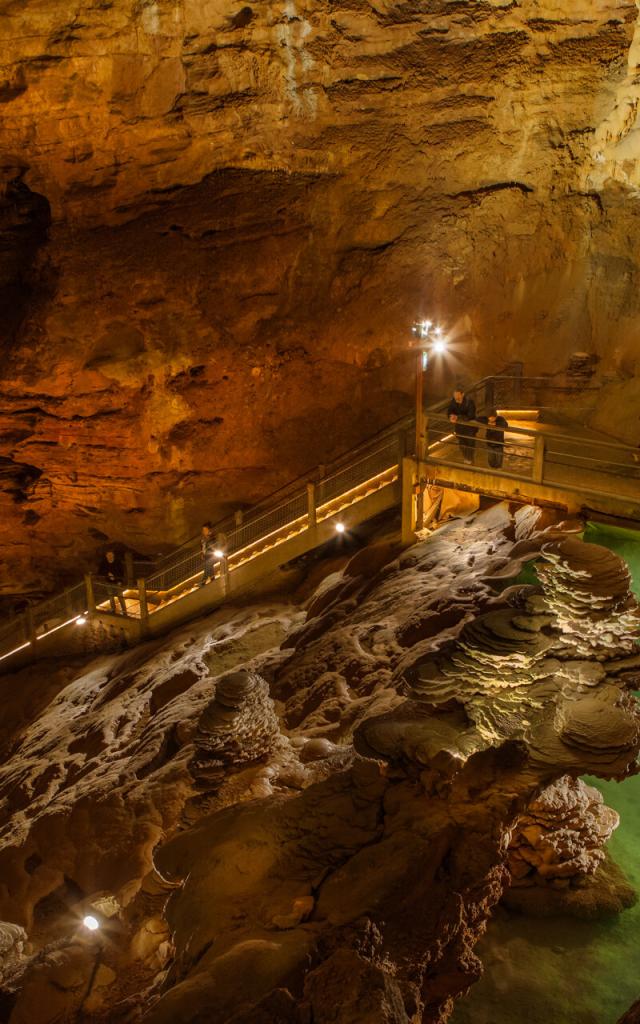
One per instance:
(538,459)
(311,505)
(224,576)
(88,587)
(144,607)
(129,574)
(422,483)
(408,473)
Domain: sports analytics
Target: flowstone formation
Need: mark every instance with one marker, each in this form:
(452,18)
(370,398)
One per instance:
(285,815)
(249,206)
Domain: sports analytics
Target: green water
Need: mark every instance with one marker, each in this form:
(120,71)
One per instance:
(561,970)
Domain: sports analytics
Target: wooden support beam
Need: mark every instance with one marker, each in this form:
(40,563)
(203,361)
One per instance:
(311,505)
(144,607)
(408,518)
(538,459)
(88,589)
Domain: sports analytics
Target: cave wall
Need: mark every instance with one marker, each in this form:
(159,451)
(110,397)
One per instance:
(251,204)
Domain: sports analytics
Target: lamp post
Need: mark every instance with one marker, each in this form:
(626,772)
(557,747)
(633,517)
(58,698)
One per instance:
(429,339)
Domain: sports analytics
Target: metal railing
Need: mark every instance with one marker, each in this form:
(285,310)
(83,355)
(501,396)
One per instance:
(57,611)
(522,454)
(511,450)
(575,462)
(367,467)
(183,568)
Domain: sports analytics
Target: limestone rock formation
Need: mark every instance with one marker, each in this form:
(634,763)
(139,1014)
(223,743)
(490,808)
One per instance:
(13,943)
(329,834)
(558,857)
(250,205)
(240,724)
(562,835)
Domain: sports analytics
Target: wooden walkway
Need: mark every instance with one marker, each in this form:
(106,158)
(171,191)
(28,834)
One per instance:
(543,459)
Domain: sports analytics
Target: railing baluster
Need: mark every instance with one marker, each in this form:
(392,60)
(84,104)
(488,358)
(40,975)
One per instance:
(538,459)
(144,606)
(88,586)
(311,504)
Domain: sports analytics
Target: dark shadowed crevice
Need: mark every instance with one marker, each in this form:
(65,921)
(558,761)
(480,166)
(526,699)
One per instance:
(25,217)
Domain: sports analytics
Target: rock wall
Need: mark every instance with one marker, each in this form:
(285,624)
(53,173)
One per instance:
(251,204)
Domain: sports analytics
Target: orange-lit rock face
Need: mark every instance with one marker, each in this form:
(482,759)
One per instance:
(251,203)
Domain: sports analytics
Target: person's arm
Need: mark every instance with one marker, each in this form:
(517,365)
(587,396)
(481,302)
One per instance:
(471,409)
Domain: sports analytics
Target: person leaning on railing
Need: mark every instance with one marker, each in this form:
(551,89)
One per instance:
(494,433)
(111,573)
(460,410)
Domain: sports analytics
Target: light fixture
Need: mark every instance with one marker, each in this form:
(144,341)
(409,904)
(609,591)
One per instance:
(439,347)
(81,620)
(340,527)
(218,553)
(91,923)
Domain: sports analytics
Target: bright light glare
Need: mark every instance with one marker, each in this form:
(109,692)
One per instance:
(218,553)
(340,527)
(426,324)
(439,347)
(91,922)
(437,331)
(81,620)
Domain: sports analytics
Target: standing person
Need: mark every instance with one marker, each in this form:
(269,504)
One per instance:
(460,410)
(208,548)
(494,434)
(112,572)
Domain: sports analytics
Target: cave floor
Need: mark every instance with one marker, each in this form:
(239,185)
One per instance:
(565,970)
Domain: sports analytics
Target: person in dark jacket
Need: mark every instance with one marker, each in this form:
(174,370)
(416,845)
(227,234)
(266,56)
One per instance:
(494,434)
(460,410)
(208,548)
(111,571)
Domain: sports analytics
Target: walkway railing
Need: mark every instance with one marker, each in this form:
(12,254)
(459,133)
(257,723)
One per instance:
(523,454)
(571,462)
(241,537)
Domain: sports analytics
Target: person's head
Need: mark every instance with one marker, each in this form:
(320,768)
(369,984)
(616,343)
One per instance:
(492,417)
(110,555)
(206,529)
(458,393)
